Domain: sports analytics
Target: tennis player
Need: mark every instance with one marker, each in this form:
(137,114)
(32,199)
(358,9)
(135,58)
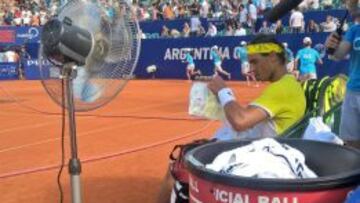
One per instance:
(217,60)
(280,105)
(190,68)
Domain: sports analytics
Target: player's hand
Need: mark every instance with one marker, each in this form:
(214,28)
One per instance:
(216,84)
(333,41)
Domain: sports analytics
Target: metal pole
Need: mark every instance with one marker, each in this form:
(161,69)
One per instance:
(74,162)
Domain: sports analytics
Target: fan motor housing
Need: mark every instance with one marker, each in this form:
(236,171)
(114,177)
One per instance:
(65,42)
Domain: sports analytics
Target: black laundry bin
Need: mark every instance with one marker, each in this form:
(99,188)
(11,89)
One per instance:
(338,168)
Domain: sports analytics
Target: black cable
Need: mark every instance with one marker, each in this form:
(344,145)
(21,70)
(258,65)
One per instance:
(62,141)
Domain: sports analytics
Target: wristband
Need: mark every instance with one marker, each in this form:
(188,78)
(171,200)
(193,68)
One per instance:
(225,96)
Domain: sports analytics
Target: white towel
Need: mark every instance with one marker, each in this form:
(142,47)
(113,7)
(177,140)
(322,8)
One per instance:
(265,158)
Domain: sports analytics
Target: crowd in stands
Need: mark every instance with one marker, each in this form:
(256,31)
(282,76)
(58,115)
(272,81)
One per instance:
(239,16)
(26,12)
(245,10)
(13,54)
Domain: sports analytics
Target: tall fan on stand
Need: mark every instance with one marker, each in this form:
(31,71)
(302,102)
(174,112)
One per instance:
(93,49)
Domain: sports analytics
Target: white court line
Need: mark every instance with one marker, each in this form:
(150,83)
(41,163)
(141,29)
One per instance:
(98,130)
(79,116)
(32,108)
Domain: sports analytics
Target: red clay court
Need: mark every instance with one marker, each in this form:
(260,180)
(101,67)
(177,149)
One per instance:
(124,146)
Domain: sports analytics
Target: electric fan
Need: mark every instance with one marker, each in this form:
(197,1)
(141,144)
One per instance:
(88,52)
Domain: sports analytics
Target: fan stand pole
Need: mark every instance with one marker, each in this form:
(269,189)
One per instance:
(69,73)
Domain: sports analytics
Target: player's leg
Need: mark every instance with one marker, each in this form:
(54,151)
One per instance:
(247,79)
(188,74)
(252,76)
(215,71)
(245,69)
(221,70)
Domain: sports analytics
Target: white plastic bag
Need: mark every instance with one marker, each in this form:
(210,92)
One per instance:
(203,103)
(83,88)
(319,131)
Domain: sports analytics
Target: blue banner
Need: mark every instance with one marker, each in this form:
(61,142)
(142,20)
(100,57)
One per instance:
(12,36)
(167,55)
(32,69)
(8,71)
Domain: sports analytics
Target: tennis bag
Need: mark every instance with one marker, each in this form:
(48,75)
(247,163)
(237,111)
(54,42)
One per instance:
(180,191)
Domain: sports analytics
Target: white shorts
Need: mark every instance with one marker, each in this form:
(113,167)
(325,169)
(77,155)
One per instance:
(245,68)
(218,64)
(190,67)
(308,76)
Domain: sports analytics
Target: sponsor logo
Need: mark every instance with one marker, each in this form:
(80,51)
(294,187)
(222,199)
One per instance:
(37,62)
(7,36)
(32,33)
(202,53)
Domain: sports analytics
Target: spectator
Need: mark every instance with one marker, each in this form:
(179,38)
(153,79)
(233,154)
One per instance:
(54,8)
(204,9)
(35,21)
(201,31)
(252,14)
(262,6)
(168,12)
(307,58)
(327,4)
(212,31)
(309,4)
(154,12)
(278,27)
(165,32)
(17,17)
(174,33)
(265,29)
(43,16)
(312,27)
(216,8)
(143,13)
(350,113)
(186,30)
(290,65)
(296,21)
(182,11)
(194,25)
(11,56)
(229,31)
(329,25)
(243,15)
(26,17)
(194,8)
(315,4)
(9,17)
(240,31)
(269,5)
